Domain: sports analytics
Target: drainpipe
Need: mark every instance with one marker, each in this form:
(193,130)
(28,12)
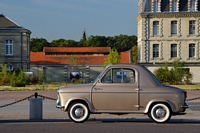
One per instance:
(147,35)
(21,49)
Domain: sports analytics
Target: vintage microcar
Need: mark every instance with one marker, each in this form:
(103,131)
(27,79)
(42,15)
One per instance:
(123,89)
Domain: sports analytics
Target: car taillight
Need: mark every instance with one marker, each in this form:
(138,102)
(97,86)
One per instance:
(185,92)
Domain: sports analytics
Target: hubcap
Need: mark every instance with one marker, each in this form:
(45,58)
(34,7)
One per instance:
(160,112)
(79,112)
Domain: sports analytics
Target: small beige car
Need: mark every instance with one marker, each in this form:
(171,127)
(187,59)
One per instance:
(123,89)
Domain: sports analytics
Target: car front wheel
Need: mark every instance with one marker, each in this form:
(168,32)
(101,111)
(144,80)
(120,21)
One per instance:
(78,112)
(160,113)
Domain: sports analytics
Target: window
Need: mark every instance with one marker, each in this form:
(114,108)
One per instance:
(10,68)
(174,5)
(173,27)
(191,50)
(155,6)
(119,75)
(192,5)
(156,28)
(174,50)
(155,50)
(192,27)
(9,47)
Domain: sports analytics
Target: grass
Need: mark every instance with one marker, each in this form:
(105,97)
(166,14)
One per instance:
(189,87)
(55,86)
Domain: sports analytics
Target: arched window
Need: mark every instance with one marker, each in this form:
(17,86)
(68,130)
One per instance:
(9,47)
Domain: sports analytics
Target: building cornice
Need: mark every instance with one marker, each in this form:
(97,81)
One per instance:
(169,15)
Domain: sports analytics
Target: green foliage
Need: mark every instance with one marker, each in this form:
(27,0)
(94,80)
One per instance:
(41,78)
(162,74)
(34,79)
(17,78)
(112,58)
(83,39)
(96,41)
(78,81)
(120,43)
(37,44)
(178,74)
(123,42)
(134,52)
(64,43)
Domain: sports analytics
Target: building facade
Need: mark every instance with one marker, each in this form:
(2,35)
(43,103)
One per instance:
(15,45)
(169,30)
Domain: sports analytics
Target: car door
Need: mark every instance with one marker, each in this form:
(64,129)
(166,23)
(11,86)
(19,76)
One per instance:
(116,91)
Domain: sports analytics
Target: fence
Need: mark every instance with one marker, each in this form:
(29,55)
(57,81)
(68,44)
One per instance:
(56,73)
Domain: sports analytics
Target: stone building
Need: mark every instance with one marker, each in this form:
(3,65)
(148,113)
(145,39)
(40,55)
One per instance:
(169,30)
(15,44)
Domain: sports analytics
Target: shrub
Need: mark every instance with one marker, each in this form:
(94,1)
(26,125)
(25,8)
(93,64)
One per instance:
(18,83)
(78,81)
(162,73)
(177,75)
(34,79)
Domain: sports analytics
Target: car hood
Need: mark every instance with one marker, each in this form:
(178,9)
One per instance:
(77,88)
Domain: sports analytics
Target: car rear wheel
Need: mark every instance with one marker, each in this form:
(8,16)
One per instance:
(78,112)
(160,113)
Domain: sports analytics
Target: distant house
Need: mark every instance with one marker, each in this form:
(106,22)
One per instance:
(15,44)
(58,62)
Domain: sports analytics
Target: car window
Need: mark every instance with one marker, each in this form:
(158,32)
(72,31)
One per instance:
(119,75)
(107,77)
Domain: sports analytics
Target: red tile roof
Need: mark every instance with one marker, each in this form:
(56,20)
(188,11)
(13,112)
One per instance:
(125,57)
(77,49)
(41,58)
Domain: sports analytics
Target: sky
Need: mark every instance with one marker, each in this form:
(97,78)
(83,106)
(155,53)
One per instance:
(67,19)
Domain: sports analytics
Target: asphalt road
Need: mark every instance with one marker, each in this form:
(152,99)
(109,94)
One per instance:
(99,126)
(15,118)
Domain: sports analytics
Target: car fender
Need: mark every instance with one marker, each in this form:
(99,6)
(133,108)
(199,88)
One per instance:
(91,108)
(173,108)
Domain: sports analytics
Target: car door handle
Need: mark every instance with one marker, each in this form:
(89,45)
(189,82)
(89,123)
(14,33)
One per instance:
(97,89)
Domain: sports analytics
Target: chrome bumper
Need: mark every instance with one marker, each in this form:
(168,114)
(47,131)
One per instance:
(60,107)
(58,104)
(186,104)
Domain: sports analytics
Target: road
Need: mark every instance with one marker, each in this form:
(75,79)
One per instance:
(15,118)
(99,126)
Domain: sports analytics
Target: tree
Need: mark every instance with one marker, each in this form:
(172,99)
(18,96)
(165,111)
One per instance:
(84,38)
(37,44)
(96,41)
(134,52)
(122,42)
(112,58)
(64,43)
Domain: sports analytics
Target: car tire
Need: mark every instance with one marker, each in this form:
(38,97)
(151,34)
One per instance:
(78,112)
(160,113)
